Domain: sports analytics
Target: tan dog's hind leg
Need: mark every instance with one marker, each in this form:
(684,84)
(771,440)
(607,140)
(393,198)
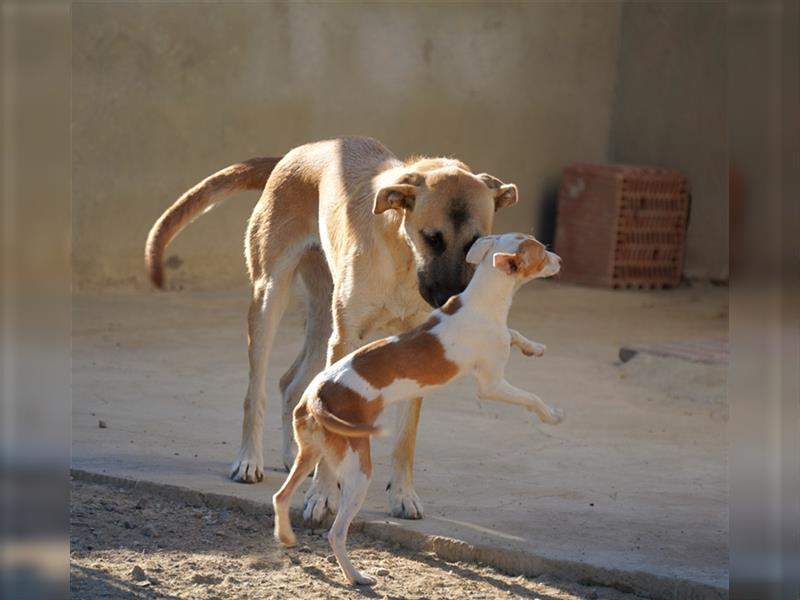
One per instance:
(317,290)
(269,300)
(502,391)
(403,500)
(355,477)
(526,346)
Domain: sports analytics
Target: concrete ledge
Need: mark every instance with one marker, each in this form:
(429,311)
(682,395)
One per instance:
(642,583)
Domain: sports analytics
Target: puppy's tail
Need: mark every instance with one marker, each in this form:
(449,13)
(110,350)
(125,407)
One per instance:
(248,175)
(336,425)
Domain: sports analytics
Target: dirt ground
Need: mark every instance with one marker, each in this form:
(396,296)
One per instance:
(630,490)
(126,544)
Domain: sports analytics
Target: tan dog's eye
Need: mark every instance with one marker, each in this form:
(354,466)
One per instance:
(435,240)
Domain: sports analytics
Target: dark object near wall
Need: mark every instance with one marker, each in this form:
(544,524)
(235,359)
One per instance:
(622,226)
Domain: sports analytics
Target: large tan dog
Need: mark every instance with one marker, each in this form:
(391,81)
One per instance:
(373,241)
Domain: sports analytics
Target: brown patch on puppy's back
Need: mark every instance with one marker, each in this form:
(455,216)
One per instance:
(417,355)
(348,404)
(352,407)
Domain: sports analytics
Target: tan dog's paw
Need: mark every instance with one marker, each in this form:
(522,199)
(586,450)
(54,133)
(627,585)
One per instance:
(555,416)
(534,349)
(320,505)
(249,467)
(404,502)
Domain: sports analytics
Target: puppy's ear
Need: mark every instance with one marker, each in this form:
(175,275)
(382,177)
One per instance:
(505,194)
(479,249)
(400,196)
(507,263)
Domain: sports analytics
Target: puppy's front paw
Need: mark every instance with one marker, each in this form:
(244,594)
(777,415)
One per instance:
(534,349)
(554,415)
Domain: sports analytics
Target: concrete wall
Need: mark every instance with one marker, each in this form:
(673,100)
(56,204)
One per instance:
(164,94)
(670,110)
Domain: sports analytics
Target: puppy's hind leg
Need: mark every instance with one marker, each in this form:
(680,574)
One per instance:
(355,471)
(307,458)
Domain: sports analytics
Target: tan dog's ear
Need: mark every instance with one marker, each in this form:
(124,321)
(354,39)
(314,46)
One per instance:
(505,194)
(479,249)
(507,263)
(401,195)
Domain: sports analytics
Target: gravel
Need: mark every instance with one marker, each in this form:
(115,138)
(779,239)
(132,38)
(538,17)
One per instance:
(126,545)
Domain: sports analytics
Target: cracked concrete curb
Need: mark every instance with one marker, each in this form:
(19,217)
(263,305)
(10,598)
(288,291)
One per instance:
(652,586)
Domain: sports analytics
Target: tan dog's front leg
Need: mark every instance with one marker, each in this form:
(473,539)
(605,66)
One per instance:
(502,391)
(266,307)
(403,500)
(526,346)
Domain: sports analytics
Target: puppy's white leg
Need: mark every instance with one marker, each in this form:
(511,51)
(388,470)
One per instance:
(266,308)
(403,500)
(355,478)
(526,346)
(502,391)
(306,459)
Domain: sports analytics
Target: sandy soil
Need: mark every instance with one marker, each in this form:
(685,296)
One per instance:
(128,545)
(634,480)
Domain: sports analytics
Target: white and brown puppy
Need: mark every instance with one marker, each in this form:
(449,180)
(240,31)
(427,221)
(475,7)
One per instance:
(373,241)
(469,335)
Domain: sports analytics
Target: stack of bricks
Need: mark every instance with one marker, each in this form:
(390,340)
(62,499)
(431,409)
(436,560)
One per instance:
(622,226)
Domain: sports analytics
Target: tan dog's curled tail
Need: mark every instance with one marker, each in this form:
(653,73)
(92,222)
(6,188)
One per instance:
(336,425)
(247,175)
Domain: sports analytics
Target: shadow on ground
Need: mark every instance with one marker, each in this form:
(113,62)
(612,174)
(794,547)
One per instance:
(184,551)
